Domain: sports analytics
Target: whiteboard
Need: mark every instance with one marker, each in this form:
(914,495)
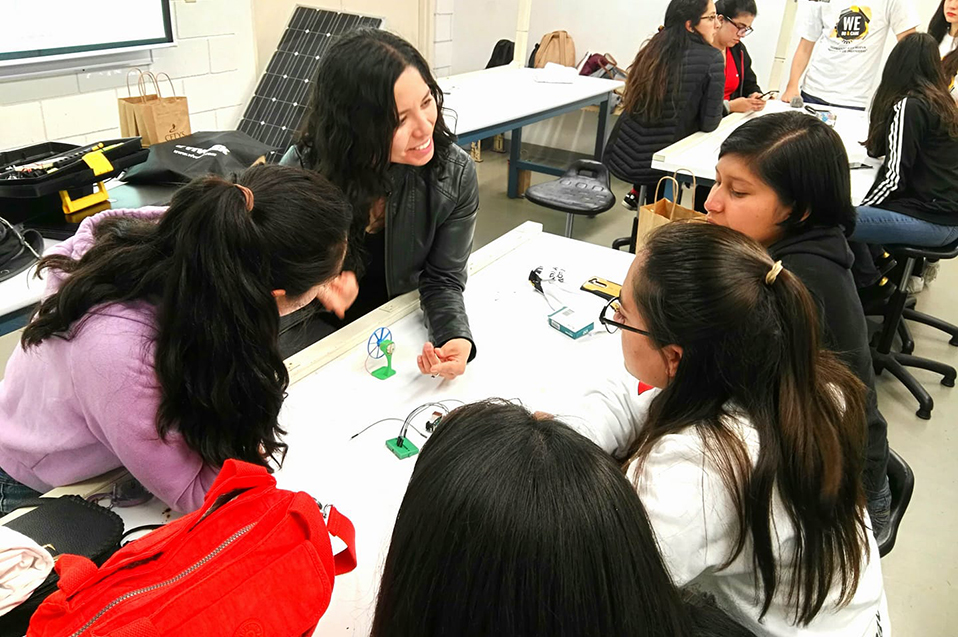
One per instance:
(44,30)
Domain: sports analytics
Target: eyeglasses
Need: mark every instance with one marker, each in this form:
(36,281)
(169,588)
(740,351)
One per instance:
(710,17)
(742,29)
(613,324)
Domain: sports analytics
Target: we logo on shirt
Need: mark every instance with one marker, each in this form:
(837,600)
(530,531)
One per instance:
(853,24)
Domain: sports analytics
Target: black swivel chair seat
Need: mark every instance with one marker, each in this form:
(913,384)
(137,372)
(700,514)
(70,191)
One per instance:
(897,362)
(584,189)
(901,479)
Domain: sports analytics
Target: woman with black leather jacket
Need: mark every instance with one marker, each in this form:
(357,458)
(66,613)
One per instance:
(375,129)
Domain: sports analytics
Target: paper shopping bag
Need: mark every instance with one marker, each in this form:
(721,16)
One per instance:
(663,211)
(152,116)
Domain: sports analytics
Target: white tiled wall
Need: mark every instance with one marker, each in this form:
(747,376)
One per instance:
(213,64)
(442,51)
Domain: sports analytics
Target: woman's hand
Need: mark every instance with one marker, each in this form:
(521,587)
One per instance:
(447,361)
(340,293)
(746,104)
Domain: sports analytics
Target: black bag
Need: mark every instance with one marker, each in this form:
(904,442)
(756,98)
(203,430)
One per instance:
(19,249)
(68,524)
(502,53)
(532,56)
(208,153)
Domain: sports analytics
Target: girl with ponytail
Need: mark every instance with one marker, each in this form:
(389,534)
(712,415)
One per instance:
(744,443)
(156,347)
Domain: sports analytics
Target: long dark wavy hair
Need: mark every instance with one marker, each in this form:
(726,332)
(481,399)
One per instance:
(656,71)
(751,348)
(937,28)
(805,162)
(913,69)
(209,268)
(352,117)
(513,525)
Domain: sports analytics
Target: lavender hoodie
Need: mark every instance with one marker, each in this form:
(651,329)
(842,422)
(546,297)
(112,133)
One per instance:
(73,409)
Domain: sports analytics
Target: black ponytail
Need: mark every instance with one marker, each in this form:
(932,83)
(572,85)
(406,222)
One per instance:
(209,267)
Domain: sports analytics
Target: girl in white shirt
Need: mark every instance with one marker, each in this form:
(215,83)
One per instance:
(745,441)
(944,28)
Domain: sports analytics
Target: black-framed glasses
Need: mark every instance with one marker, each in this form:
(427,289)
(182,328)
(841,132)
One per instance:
(616,322)
(710,17)
(742,29)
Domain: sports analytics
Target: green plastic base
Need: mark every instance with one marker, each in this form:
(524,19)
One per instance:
(384,372)
(408,448)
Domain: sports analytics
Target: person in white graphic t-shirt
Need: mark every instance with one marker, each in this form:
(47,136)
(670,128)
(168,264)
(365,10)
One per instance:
(841,46)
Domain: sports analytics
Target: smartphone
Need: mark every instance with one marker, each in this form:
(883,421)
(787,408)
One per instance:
(602,288)
(767,95)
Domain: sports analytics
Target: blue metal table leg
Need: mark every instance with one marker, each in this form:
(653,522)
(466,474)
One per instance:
(515,145)
(600,129)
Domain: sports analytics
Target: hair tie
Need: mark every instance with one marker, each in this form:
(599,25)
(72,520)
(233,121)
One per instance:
(661,27)
(247,195)
(773,273)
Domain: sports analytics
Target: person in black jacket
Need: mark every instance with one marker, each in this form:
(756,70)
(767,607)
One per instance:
(375,129)
(742,92)
(783,179)
(914,124)
(674,89)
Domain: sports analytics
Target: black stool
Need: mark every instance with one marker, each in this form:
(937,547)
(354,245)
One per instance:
(896,362)
(584,189)
(901,480)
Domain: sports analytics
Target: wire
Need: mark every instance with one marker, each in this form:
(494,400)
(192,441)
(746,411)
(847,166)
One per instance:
(374,424)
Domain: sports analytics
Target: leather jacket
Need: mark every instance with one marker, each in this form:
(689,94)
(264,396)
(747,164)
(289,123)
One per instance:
(430,221)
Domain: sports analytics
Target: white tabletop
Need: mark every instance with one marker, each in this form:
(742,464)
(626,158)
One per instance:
(699,152)
(519,357)
(503,94)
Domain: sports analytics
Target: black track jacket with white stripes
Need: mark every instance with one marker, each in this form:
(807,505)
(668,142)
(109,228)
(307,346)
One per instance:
(919,176)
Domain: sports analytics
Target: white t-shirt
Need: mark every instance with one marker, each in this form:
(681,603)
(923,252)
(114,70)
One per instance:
(849,41)
(695,523)
(947,46)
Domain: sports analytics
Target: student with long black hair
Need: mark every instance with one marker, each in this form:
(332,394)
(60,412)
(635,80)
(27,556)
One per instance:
(783,180)
(675,88)
(914,124)
(514,525)
(157,347)
(745,439)
(375,129)
(944,28)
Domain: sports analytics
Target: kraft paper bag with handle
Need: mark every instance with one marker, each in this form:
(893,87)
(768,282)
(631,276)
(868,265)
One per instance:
(154,118)
(663,211)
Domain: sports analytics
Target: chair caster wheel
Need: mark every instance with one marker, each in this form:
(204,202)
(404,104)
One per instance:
(924,414)
(948,382)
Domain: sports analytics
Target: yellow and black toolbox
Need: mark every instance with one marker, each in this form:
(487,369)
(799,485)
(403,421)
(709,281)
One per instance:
(51,186)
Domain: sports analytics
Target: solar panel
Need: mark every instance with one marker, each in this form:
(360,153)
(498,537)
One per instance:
(279,103)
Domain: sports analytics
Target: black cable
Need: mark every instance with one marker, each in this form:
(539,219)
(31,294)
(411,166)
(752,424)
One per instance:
(373,425)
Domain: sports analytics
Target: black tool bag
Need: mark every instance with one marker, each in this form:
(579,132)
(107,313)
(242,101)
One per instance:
(222,153)
(68,524)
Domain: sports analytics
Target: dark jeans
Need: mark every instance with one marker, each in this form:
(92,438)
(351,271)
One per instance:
(811,99)
(879,509)
(12,493)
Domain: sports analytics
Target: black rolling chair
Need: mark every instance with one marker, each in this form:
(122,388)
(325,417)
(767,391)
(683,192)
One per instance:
(897,362)
(901,479)
(584,189)
(911,314)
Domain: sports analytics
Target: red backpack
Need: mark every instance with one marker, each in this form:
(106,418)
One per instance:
(255,560)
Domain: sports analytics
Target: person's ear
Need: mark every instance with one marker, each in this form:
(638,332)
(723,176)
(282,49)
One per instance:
(673,356)
(282,301)
(689,27)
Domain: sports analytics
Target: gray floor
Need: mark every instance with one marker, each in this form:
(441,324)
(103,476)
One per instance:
(921,574)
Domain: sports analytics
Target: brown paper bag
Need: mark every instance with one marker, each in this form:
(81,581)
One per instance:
(152,117)
(663,211)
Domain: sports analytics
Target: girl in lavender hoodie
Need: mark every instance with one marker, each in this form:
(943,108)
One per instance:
(156,347)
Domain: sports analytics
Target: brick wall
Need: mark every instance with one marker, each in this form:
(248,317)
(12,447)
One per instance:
(213,65)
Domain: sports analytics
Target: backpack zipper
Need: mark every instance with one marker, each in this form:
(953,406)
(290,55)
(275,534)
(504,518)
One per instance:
(172,580)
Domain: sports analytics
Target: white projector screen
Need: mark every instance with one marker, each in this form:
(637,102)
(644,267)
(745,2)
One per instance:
(41,30)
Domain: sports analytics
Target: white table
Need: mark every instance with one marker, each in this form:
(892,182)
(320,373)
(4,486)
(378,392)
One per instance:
(485,103)
(698,152)
(332,396)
